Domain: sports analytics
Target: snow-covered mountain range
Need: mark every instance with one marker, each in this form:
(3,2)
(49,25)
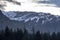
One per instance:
(32,16)
(40,21)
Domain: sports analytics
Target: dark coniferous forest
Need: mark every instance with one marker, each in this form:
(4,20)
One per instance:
(19,34)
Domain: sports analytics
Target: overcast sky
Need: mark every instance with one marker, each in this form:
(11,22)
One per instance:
(48,6)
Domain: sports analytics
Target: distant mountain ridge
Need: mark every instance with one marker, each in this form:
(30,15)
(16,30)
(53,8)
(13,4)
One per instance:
(40,21)
(31,16)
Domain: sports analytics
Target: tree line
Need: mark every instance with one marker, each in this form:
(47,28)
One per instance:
(19,34)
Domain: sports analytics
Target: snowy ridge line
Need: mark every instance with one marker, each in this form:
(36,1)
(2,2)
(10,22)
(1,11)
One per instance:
(32,16)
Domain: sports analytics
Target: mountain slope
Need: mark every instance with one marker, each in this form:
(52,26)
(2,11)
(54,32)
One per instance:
(3,20)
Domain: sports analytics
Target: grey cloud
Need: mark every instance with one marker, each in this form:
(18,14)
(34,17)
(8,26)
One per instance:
(56,2)
(14,2)
(3,5)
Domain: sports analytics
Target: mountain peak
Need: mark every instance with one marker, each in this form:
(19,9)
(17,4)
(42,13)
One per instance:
(1,13)
(2,16)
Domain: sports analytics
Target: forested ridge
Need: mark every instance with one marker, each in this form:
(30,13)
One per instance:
(19,34)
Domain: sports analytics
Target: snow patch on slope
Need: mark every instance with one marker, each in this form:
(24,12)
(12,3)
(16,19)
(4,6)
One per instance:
(36,17)
(9,14)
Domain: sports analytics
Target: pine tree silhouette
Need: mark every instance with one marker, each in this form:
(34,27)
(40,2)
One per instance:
(38,36)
